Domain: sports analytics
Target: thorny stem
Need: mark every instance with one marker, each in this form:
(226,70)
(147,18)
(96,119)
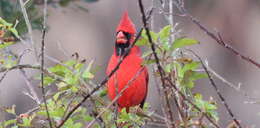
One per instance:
(191,103)
(42,62)
(223,101)
(217,37)
(29,27)
(161,72)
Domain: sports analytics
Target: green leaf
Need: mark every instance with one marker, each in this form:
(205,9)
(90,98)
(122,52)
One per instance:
(58,112)
(88,118)
(26,122)
(206,106)
(2,21)
(103,93)
(142,42)
(70,63)
(71,79)
(182,42)
(9,122)
(14,31)
(154,36)
(148,62)
(59,70)
(5,44)
(48,80)
(168,68)
(165,33)
(77,125)
(190,66)
(11,110)
(87,73)
(57,95)
(197,76)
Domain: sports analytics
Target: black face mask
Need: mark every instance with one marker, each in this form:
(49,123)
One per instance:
(121,48)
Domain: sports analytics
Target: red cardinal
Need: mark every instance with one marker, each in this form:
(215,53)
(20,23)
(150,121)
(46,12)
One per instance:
(131,68)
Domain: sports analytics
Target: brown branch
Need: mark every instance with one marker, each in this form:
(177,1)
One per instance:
(160,69)
(22,66)
(4,75)
(217,37)
(223,101)
(191,103)
(42,63)
(32,91)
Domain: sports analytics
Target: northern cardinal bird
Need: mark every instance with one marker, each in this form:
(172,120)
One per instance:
(131,69)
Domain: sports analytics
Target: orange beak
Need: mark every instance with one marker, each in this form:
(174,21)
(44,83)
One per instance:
(120,38)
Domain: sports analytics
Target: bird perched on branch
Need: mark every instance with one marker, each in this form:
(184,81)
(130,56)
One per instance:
(131,72)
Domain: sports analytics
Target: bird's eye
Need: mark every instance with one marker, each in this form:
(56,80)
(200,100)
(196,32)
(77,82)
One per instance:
(127,35)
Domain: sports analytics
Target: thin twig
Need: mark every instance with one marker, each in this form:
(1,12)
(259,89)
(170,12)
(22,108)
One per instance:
(42,62)
(191,103)
(217,37)
(21,66)
(231,85)
(161,71)
(30,87)
(160,95)
(29,27)
(223,101)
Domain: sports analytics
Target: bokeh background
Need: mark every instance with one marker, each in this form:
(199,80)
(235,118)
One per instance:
(91,33)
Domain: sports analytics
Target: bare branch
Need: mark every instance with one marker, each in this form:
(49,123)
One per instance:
(30,87)
(231,85)
(4,75)
(223,101)
(29,27)
(42,62)
(217,37)
(161,71)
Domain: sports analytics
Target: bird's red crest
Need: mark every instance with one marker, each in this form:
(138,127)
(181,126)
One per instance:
(126,24)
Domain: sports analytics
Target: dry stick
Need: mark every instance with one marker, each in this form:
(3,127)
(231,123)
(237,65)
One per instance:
(191,103)
(223,101)
(42,62)
(102,82)
(217,37)
(21,66)
(32,93)
(42,79)
(117,97)
(159,92)
(178,101)
(231,85)
(30,86)
(27,66)
(162,74)
(4,75)
(29,27)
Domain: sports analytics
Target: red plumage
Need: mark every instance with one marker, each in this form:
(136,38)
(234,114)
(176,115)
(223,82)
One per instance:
(129,70)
